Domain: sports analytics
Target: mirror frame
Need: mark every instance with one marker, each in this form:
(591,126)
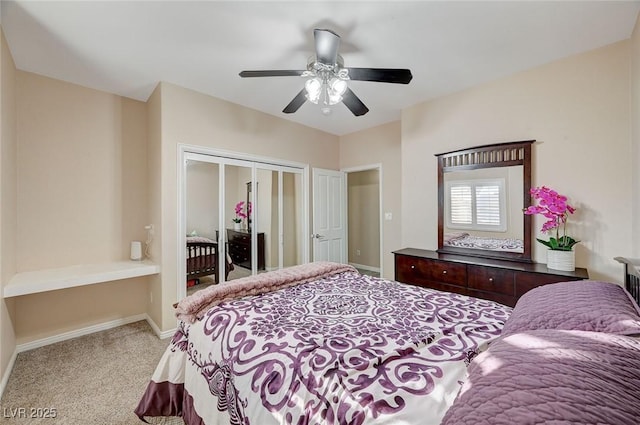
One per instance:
(488,156)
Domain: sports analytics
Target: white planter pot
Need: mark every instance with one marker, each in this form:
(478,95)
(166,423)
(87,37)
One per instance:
(237,226)
(561,260)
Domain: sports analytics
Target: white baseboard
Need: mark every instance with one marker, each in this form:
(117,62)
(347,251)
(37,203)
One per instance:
(7,372)
(156,329)
(79,332)
(363,267)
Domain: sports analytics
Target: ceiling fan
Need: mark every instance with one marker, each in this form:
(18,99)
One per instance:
(327,77)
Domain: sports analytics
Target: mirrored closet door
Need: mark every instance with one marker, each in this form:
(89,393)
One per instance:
(239,218)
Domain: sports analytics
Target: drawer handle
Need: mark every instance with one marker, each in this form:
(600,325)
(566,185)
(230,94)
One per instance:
(413,266)
(444,272)
(490,279)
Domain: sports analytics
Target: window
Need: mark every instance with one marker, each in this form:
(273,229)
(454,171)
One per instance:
(477,205)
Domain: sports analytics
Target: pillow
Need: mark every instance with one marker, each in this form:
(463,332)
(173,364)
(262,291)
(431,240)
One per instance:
(552,377)
(579,305)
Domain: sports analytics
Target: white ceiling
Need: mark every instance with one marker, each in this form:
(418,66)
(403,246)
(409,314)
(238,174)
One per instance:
(127,47)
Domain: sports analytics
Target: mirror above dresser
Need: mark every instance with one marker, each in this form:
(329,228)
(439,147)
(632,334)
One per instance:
(482,192)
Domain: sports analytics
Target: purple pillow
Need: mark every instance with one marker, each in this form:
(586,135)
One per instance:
(552,377)
(579,305)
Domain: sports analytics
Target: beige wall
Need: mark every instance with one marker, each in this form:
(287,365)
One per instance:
(55,312)
(363,194)
(8,195)
(82,198)
(380,145)
(196,119)
(635,139)
(578,110)
(81,175)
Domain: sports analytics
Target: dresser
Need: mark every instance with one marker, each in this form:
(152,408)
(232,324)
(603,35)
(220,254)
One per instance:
(240,248)
(497,280)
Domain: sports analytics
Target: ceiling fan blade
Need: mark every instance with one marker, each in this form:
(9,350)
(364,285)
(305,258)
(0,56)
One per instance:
(296,103)
(327,43)
(272,73)
(383,75)
(354,103)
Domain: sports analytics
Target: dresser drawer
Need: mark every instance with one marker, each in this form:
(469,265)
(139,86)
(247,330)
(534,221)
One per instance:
(239,257)
(507,300)
(239,243)
(527,281)
(239,237)
(236,247)
(420,270)
(239,252)
(491,279)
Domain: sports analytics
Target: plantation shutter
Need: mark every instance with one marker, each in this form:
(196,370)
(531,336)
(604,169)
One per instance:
(488,205)
(461,205)
(477,205)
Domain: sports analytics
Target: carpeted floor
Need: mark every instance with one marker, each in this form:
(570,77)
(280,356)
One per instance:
(95,379)
(368,272)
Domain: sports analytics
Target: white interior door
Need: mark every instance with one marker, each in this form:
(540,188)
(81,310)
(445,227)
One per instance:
(329,216)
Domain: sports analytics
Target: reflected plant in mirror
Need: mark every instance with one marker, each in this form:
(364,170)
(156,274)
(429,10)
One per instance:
(240,215)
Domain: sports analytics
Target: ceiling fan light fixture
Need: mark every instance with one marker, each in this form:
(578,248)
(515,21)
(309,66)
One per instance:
(337,87)
(313,87)
(319,91)
(334,90)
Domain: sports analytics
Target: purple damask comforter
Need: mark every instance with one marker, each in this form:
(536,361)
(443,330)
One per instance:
(341,349)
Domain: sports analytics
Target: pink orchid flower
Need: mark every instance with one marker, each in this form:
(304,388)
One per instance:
(553,207)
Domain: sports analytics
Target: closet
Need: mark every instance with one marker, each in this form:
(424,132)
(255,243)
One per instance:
(251,211)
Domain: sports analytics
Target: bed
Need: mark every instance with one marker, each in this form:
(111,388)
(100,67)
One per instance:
(318,343)
(568,354)
(322,344)
(202,258)
(631,276)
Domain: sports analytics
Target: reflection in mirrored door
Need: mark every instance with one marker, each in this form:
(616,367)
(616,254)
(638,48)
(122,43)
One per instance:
(249,215)
(201,216)
(240,213)
(280,216)
(292,223)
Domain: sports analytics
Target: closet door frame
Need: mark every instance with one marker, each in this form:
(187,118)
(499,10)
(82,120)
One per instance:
(225,158)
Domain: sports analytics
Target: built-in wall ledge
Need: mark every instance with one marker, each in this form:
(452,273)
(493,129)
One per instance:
(72,276)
